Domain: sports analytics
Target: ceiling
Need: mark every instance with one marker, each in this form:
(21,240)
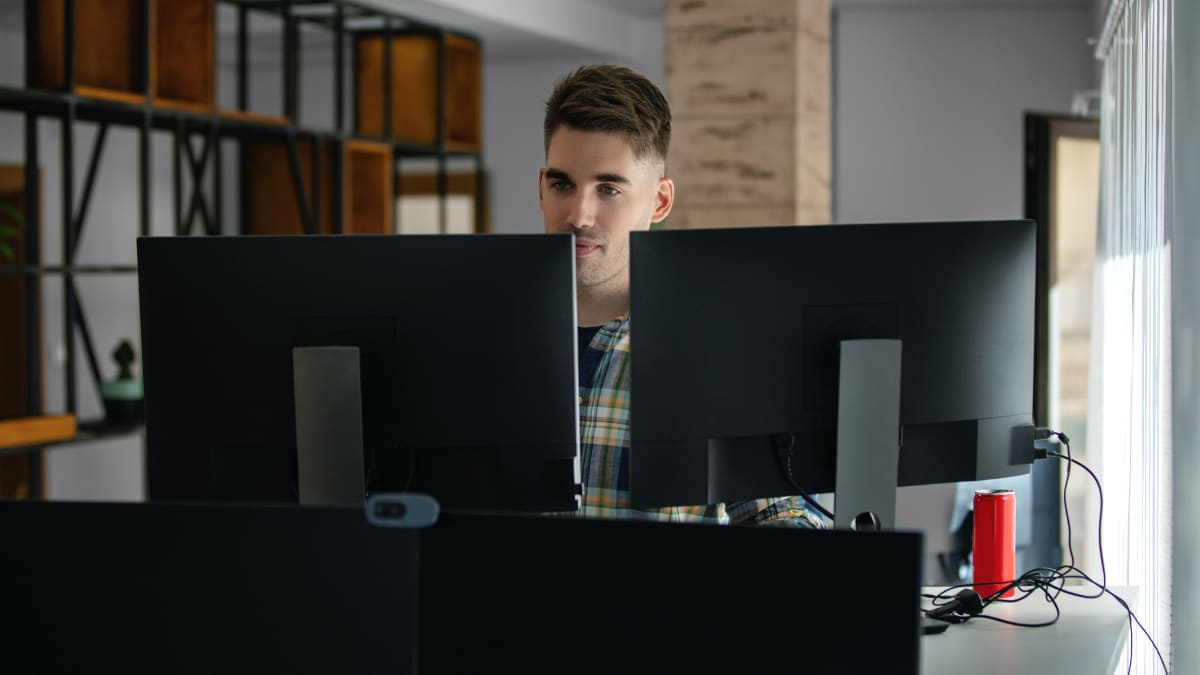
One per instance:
(521,29)
(542,29)
(648,9)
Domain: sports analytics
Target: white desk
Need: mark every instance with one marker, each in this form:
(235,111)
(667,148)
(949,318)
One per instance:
(1088,638)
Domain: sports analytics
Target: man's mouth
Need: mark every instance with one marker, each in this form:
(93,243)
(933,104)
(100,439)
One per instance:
(585,248)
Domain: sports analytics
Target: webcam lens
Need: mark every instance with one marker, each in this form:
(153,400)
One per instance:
(390,509)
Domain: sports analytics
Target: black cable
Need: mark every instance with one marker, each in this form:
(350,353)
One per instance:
(412,469)
(1052,582)
(1099,518)
(1103,584)
(1030,582)
(1067,511)
(388,480)
(1145,632)
(1129,663)
(785,459)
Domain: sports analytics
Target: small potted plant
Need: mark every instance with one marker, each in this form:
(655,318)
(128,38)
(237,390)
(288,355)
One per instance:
(123,398)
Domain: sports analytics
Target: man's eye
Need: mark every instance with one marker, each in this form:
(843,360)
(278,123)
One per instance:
(609,190)
(560,185)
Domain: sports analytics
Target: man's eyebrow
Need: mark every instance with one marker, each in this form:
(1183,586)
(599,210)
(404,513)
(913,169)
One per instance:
(613,178)
(559,174)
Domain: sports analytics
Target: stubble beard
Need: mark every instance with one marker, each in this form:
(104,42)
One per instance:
(595,272)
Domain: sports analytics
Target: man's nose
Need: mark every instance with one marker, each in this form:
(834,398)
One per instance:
(582,213)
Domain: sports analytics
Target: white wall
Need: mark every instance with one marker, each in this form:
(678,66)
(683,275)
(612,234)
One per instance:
(929,99)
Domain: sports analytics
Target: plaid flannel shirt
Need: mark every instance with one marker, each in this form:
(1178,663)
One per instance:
(604,451)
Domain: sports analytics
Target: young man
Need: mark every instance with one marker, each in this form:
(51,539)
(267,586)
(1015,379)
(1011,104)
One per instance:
(607,131)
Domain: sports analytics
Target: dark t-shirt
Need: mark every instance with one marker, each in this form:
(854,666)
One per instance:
(589,359)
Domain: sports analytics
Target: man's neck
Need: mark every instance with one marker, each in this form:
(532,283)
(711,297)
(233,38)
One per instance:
(598,306)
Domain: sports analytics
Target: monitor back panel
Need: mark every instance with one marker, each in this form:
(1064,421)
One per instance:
(557,595)
(467,361)
(234,588)
(735,335)
(174,588)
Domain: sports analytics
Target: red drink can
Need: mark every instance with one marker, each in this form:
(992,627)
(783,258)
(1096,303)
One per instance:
(995,541)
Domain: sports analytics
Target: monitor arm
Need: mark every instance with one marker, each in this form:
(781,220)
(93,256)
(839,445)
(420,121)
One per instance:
(329,425)
(868,434)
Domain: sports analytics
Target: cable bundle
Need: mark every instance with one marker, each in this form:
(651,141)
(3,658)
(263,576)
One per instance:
(951,605)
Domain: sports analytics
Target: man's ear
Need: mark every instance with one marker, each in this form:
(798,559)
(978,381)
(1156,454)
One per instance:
(541,177)
(664,199)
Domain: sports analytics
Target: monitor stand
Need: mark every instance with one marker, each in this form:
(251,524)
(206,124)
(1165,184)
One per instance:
(868,435)
(329,429)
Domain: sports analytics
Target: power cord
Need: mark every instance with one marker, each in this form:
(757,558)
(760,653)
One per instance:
(1050,582)
(1066,442)
(785,465)
(374,472)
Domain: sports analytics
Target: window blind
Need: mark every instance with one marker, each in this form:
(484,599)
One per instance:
(1130,405)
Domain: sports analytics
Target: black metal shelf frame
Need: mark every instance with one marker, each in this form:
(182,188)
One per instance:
(205,205)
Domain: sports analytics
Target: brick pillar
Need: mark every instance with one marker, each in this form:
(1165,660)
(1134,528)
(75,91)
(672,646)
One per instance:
(749,86)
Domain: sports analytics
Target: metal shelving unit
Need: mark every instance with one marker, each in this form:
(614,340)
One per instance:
(344,20)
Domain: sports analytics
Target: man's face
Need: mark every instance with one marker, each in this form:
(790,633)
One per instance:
(594,187)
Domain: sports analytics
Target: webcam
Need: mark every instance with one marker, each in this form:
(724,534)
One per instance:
(401,509)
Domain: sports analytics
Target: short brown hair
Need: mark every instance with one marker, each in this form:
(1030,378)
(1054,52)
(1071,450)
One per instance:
(613,99)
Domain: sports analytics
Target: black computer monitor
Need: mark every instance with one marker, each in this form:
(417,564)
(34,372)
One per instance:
(220,588)
(466,350)
(736,338)
(208,588)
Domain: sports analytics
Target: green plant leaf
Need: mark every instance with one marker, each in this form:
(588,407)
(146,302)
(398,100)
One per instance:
(6,251)
(9,231)
(12,212)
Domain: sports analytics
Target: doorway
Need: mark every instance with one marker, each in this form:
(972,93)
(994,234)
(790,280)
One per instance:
(1062,193)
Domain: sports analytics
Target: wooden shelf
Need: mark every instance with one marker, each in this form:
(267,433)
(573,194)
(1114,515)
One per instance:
(258,118)
(186,106)
(367,187)
(24,431)
(464,94)
(182,60)
(415,90)
(272,206)
(110,94)
(109,47)
(85,432)
(108,43)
